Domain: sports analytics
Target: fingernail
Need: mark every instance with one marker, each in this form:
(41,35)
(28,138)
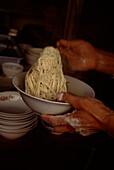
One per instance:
(60,96)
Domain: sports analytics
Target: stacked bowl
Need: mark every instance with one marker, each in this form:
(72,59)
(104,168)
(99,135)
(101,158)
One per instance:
(32,54)
(16,118)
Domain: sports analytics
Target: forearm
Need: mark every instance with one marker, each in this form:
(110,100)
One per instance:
(105,62)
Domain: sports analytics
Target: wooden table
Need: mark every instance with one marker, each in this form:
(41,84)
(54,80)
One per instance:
(40,149)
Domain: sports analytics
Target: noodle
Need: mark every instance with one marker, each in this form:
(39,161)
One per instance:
(45,78)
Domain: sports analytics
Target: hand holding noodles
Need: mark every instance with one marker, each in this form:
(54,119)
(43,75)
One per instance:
(45,78)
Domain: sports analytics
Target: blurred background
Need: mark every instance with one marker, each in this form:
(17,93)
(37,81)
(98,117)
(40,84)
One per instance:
(27,26)
(42,23)
(38,23)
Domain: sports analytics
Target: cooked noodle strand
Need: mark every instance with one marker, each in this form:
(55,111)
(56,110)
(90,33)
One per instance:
(45,78)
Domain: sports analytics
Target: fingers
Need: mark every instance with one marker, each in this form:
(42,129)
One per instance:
(62,43)
(64,129)
(90,116)
(80,102)
(85,132)
(54,120)
(79,122)
(81,131)
(71,59)
(75,101)
(60,128)
(58,123)
(66,43)
(91,105)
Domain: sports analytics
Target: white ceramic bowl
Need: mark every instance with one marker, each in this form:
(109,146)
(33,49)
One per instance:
(16,118)
(24,47)
(17,122)
(30,59)
(34,50)
(11,69)
(42,106)
(12,135)
(17,127)
(32,55)
(11,105)
(15,134)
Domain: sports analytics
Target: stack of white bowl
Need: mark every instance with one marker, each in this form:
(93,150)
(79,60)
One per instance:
(32,54)
(16,119)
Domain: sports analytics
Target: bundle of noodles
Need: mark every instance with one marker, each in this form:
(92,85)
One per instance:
(45,78)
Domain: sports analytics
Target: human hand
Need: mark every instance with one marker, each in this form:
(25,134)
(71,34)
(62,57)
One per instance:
(89,116)
(79,55)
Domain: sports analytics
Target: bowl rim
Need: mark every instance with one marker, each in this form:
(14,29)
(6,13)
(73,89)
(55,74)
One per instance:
(34,49)
(27,111)
(44,100)
(13,64)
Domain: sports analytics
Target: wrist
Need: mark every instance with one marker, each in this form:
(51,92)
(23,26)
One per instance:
(100,60)
(105,62)
(109,125)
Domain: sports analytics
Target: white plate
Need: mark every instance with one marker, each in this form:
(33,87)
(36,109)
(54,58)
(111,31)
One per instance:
(16,122)
(11,102)
(12,136)
(16,116)
(13,128)
(17,134)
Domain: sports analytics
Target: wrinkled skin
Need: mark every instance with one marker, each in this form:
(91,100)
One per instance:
(78,54)
(89,116)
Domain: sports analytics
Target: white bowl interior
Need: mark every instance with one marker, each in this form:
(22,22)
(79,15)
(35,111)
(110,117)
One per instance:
(41,106)
(12,103)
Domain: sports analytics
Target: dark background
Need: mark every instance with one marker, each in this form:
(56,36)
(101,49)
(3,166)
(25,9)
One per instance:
(42,23)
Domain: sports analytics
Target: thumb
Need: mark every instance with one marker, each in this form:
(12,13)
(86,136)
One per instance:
(75,101)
